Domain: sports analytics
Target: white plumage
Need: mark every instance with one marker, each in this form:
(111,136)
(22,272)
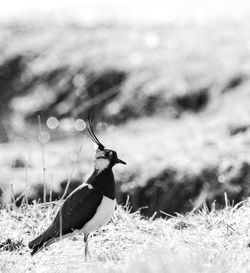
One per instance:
(102,216)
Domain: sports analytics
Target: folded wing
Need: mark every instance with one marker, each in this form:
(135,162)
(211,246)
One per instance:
(78,208)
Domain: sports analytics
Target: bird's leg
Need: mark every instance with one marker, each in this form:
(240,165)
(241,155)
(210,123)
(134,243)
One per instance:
(87,253)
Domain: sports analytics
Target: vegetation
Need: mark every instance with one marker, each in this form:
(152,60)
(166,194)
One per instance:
(200,241)
(173,101)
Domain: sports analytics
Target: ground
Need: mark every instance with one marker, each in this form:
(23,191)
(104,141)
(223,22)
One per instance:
(200,241)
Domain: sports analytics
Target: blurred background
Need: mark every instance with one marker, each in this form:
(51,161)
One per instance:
(168,83)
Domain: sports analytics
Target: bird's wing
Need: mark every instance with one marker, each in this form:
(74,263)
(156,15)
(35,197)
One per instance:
(78,208)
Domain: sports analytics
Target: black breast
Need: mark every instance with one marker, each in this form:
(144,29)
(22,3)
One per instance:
(104,182)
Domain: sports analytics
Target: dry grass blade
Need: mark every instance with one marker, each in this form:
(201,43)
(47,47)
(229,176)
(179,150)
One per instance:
(43,159)
(71,173)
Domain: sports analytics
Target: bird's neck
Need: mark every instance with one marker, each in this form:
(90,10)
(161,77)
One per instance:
(103,181)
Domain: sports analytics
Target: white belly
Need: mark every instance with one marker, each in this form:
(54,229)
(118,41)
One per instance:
(102,216)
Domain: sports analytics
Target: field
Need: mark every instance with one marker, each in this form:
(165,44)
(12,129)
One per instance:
(170,96)
(200,241)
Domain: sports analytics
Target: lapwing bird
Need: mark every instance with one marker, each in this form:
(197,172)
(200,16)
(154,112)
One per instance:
(89,206)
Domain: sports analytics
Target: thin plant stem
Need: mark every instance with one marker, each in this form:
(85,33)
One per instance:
(26,181)
(13,197)
(60,224)
(21,195)
(43,159)
(71,173)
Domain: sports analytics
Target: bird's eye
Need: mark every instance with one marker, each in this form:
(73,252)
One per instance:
(107,154)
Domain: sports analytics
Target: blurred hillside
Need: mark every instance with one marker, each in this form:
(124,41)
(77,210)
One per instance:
(173,100)
(123,72)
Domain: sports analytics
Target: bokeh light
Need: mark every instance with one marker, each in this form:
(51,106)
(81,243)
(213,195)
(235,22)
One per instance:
(79,80)
(67,124)
(113,108)
(152,40)
(101,126)
(44,137)
(80,124)
(52,123)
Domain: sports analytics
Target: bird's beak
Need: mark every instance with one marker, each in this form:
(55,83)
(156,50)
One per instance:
(120,161)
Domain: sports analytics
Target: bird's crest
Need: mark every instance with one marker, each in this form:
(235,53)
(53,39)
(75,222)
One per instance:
(92,134)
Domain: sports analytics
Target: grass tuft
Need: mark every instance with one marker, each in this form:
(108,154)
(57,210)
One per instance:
(11,245)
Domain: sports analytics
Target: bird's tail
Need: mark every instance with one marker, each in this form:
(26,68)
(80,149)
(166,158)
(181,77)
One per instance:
(40,242)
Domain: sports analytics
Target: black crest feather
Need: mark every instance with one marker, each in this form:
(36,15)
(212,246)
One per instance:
(92,134)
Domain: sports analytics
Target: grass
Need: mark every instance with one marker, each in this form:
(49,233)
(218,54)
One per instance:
(200,241)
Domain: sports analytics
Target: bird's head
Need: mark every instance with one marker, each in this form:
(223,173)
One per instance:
(104,158)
